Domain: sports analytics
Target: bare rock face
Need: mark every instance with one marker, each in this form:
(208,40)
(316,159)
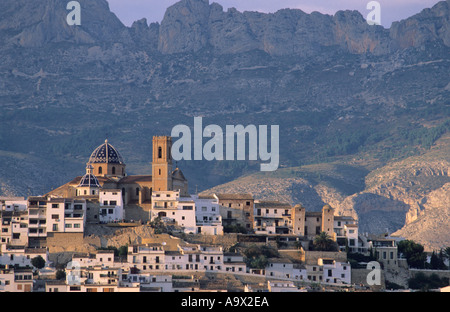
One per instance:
(432,227)
(184,27)
(430,25)
(36,23)
(191,25)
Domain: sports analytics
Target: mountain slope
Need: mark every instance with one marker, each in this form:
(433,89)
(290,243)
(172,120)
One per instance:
(408,196)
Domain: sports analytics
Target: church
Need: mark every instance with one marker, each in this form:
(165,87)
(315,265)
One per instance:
(106,170)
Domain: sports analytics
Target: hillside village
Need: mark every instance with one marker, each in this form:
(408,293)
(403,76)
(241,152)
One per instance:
(217,242)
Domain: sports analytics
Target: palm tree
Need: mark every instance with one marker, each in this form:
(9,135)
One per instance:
(323,242)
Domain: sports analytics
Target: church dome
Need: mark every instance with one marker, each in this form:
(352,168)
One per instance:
(89,180)
(105,153)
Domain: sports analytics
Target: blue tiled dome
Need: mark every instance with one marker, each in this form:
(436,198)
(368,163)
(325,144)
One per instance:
(89,179)
(105,153)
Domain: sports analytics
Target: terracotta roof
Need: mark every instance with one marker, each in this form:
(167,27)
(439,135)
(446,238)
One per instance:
(272,204)
(136,178)
(234,196)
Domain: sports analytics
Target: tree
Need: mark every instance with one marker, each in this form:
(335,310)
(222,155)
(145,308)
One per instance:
(123,251)
(413,252)
(257,257)
(446,253)
(425,283)
(38,262)
(60,275)
(323,242)
(437,262)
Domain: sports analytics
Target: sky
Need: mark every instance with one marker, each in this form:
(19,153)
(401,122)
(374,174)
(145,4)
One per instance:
(129,11)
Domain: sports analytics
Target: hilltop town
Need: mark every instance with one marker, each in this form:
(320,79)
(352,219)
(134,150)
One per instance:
(106,231)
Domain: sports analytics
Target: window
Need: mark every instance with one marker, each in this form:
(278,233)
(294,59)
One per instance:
(113,170)
(113,203)
(55,227)
(137,191)
(159,152)
(55,217)
(76,225)
(100,170)
(68,226)
(55,205)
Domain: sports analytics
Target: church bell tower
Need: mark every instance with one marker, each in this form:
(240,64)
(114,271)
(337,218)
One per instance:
(162,163)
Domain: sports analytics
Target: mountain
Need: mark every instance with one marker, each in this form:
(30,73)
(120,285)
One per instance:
(353,101)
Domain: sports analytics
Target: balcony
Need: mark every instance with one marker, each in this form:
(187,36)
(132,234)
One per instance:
(208,222)
(163,207)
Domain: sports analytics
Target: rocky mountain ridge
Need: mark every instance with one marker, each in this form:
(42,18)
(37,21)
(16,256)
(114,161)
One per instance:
(192,25)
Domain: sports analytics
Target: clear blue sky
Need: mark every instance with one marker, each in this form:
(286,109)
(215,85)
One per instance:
(129,11)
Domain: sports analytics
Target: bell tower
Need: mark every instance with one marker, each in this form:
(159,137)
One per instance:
(162,163)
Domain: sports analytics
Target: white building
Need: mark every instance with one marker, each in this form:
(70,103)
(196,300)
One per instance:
(280,268)
(346,230)
(99,258)
(146,257)
(169,206)
(66,215)
(148,282)
(13,203)
(335,272)
(283,286)
(14,227)
(234,262)
(212,257)
(207,215)
(21,256)
(111,206)
(16,280)
(37,218)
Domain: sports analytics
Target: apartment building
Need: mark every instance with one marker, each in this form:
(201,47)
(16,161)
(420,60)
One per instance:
(237,210)
(14,227)
(207,215)
(272,217)
(37,220)
(196,214)
(146,257)
(21,256)
(111,206)
(66,215)
(16,280)
(169,206)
